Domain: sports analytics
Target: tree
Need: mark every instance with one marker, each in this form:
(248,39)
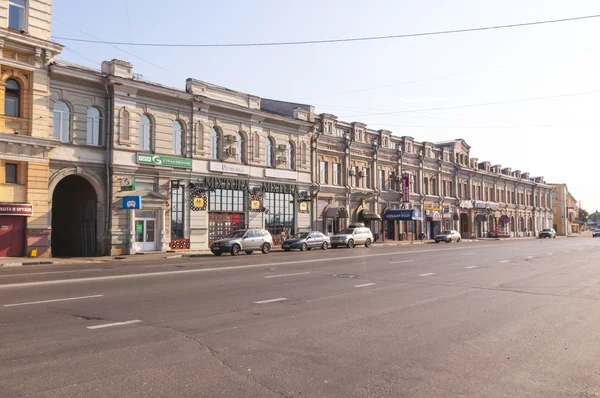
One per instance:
(583,215)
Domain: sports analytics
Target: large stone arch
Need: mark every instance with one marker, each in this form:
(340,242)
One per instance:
(98,187)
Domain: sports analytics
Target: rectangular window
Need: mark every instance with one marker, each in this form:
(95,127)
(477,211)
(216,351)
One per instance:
(434,189)
(93,130)
(365,178)
(445,188)
(340,132)
(177,212)
(354,175)
(16,14)
(226,200)
(450,189)
(323,172)
(10,176)
(413,185)
(382,179)
(391,181)
(281,212)
(336,174)
(426,185)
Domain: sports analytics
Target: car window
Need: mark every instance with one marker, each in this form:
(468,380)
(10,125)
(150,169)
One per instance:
(303,235)
(250,234)
(347,231)
(265,232)
(258,233)
(237,234)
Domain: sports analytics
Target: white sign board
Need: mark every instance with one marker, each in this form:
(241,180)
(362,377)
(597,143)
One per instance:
(285,174)
(229,168)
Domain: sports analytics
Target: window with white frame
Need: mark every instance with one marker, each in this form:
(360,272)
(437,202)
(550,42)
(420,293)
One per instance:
(62,120)
(291,155)
(145,133)
(323,172)
(93,136)
(177,138)
(382,179)
(16,14)
(354,176)
(269,153)
(336,174)
(365,178)
(215,144)
(12,98)
(240,147)
(391,181)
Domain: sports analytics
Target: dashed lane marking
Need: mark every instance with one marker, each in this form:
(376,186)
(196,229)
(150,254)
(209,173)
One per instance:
(504,261)
(271,300)
(430,273)
(54,301)
(471,266)
(365,285)
(109,325)
(282,275)
(400,262)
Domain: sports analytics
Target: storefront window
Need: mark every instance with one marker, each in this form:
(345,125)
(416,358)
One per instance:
(177,211)
(280,212)
(226,200)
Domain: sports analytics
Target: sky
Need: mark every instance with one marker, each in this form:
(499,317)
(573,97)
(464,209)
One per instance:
(496,83)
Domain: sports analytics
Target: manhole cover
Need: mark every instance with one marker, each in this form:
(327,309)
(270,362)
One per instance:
(345,276)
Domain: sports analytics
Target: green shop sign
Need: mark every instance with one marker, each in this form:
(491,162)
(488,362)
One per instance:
(144,158)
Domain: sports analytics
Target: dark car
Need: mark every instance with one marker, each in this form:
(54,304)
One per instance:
(307,241)
(596,232)
(547,233)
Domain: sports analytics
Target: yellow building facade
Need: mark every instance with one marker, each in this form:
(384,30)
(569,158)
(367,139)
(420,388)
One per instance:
(25,136)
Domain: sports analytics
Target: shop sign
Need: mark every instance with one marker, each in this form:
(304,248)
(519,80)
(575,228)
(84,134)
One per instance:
(229,168)
(303,207)
(132,202)
(466,204)
(198,202)
(255,205)
(431,208)
(139,228)
(276,187)
(16,209)
(405,188)
(403,215)
(155,160)
(127,184)
(226,183)
(480,205)
(286,174)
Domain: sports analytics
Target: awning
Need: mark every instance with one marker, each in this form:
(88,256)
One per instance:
(367,216)
(434,217)
(402,215)
(504,219)
(480,217)
(336,212)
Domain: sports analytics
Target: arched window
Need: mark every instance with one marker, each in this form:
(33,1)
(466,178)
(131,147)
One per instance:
(62,120)
(240,145)
(303,154)
(178,138)
(93,127)
(256,144)
(269,153)
(125,125)
(215,144)
(145,133)
(12,98)
(200,135)
(291,156)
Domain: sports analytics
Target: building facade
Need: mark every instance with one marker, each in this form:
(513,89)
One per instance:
(372,176)
(565,209)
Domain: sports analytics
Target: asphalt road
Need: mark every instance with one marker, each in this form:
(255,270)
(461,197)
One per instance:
(484,319)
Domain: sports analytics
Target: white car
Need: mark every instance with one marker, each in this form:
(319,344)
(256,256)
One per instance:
(448,236)
(352,236)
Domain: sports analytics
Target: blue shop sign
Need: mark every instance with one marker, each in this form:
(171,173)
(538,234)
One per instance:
(132,202)
(403,215)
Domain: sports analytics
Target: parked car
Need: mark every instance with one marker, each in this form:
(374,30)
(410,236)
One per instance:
(448,236)
(307,241)
(596,233)
(547,233)
(247,240)
(352,236)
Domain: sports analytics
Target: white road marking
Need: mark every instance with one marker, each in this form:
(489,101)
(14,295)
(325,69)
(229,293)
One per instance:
(430,273)
(109,325)
(566,251)
(471,266)
(528,257)
(466,254)
(271,300)
(504,261)
(54,301)
(400,262)
(282,275)
(53,272)
(550,254)
(232,268)
(365,285)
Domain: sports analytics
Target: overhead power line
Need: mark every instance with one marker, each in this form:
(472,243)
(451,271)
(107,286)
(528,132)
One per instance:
(343,40)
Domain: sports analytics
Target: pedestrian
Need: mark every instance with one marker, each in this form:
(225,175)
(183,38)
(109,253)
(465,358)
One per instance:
(282,235)
(287,234)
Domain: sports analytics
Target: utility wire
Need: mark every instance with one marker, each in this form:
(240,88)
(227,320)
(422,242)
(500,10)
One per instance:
(343,40)
(114,46)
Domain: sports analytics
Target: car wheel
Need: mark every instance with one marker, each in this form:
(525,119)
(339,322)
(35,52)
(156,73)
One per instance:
(218,254)
(324,246)
(303,247)
(266,248)
(458,241)
(368,243)
(248,251)
(449,240)
(235,250)
(350,244)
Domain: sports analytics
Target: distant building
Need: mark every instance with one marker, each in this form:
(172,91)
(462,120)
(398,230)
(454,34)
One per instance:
(565,209)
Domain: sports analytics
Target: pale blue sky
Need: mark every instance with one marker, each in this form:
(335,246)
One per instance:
(556,138)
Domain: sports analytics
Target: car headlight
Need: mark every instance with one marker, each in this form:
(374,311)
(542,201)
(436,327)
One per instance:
(229,244)
(344,238)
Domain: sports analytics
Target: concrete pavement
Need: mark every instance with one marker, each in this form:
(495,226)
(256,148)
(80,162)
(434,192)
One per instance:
(514,318)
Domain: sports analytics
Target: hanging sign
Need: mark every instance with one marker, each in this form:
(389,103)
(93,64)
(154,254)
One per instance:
(128,184)
(132,202)
(405,188)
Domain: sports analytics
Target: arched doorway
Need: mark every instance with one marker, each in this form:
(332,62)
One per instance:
(74,218)
(465,226)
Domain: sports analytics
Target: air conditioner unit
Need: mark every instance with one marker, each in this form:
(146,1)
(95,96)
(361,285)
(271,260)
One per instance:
(232,151)
(231,138)
(352,172)
(282,159)
(361,173)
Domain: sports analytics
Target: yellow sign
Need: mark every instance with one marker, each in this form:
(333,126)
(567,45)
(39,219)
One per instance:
(432,208)
(199,202)
(303,206)
(255,205)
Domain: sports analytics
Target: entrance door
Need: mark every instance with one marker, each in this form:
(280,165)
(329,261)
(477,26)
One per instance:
(220,225)
(12,236)
(145,234)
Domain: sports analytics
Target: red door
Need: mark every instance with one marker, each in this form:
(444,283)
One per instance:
(12,236)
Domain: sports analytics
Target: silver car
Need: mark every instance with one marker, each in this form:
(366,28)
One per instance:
(247,240)
(448,236)
(352,236)
(307,241)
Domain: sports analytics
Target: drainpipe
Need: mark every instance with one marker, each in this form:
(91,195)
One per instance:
(316,181)
(348,186)
(109,189)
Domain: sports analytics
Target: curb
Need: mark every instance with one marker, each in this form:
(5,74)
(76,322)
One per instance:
(21,264)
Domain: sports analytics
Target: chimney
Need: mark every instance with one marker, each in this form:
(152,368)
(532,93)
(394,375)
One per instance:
(118,68)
